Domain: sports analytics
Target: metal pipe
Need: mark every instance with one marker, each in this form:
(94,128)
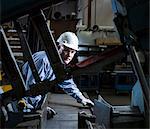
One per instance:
(89,13)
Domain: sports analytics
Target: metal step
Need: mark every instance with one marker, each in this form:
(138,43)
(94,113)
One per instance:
(14,42)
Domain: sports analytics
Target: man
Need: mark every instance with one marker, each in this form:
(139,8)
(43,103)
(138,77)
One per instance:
(67,46)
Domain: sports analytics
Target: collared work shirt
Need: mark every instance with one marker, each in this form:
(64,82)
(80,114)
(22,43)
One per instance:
(45,72)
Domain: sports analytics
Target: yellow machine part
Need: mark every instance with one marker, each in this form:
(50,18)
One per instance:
(4,88)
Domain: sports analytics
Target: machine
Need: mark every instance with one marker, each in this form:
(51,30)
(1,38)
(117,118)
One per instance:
(134,35)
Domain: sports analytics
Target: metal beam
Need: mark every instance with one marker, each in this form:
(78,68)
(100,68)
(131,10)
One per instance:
(27,52)
(140,75)
(39,22)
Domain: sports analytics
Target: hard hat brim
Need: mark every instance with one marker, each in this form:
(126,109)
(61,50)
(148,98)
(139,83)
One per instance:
(70,46)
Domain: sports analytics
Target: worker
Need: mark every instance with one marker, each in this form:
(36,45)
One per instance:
(67,47)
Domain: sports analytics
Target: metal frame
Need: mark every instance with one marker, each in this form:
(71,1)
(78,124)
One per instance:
(39,22)
(10,65)
(140,74)
(51,50)
(26,51)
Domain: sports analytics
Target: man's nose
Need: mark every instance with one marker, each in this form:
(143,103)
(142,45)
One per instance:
(69,54)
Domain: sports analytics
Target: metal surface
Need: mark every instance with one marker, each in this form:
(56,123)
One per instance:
(102,111)
(27,52)
(67,109)
(10,10)
(39,23)
(67,116)
(137,97)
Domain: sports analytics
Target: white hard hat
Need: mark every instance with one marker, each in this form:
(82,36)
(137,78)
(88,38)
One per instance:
(69,39)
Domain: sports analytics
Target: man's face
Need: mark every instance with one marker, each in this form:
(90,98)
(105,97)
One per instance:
(67,54)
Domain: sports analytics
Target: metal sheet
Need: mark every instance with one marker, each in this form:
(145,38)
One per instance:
(102,112)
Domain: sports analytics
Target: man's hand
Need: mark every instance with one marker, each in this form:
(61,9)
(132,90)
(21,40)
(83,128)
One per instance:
(87,102)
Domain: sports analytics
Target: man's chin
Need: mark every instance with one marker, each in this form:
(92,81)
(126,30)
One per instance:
(67,61)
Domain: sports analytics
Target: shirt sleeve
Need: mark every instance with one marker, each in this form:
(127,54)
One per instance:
(43,67)
(71,88)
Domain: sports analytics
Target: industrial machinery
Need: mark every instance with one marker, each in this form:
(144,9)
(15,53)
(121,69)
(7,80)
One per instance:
(9,64)
(133,33)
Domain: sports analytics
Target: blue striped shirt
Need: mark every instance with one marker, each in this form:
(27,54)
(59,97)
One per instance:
(45,72)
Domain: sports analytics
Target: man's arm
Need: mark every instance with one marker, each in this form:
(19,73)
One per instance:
(70,88)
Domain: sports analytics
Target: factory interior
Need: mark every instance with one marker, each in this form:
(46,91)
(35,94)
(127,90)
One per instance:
(109,68)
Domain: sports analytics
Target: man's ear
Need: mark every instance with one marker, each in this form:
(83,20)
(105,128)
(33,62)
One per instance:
(60,48)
